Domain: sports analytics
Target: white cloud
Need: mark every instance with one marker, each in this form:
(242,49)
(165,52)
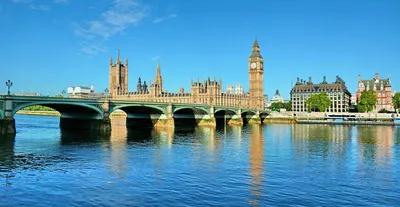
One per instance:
(121,15)
(21,1)
(39,7)
(60,1)
(33,6)
(93,49)
(155,58)
(161,19)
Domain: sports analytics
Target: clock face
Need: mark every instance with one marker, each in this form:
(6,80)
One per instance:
(253,65)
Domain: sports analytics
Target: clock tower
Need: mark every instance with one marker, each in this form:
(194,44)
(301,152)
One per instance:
(256,78)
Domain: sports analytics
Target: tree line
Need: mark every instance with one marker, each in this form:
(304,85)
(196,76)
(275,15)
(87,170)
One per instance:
(38,108)
(367,102)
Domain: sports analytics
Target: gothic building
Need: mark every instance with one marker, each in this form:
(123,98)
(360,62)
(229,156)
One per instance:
(382,88)
(118,76)
(202,92)
(256,77)
(142,88)
(337,92)
(156,89)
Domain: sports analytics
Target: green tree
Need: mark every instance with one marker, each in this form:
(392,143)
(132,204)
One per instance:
(367,101)
(318,102)
(279,105)
(288,106)
(38,108)
(396,101)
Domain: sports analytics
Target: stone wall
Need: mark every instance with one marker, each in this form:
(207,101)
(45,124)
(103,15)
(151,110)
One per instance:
(290,114)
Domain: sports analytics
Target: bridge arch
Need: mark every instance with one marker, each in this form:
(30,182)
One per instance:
(227,111)
(141,115)
(248,112)
(263,116)
(135,107)
(196,110)
(78,109)
(224,116)
(189,116)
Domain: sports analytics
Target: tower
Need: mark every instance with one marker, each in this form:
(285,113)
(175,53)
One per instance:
(256,78)
(157,86)
(118,76)
(139,87)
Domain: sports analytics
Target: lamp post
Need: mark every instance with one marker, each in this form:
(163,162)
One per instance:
(9,84)
(106,91)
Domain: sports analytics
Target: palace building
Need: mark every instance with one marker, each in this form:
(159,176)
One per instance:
(207,92)
(383,90)
(337,92)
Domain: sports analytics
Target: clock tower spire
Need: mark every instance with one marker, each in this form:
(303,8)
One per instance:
(256,77)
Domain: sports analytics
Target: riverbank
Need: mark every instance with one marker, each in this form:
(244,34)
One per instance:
(56,113)
(39,113)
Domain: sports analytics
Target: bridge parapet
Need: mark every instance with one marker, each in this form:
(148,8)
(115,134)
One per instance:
(94,113)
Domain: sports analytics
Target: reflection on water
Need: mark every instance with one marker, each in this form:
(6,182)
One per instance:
(324,140)
(308,165)
(256,151)
(376,143)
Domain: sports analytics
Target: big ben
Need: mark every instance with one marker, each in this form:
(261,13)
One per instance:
(256,78)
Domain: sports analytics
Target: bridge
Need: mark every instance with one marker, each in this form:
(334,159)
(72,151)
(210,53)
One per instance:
(94,113)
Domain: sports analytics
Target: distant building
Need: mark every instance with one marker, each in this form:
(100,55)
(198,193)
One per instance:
(383,90)
(238,89)
(337,92)
(277,98)
(266,102)
(80,91)
(28,94)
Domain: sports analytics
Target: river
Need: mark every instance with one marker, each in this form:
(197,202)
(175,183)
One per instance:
(254,165)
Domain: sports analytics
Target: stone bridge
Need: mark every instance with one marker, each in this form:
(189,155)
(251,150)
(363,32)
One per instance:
(93,114)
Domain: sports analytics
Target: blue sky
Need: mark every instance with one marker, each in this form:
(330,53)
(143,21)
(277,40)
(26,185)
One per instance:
(48,45)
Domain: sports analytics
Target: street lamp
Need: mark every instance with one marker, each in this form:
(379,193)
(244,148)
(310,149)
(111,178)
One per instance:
(9,84)
(106,91)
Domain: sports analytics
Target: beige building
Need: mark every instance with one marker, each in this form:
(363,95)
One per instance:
(207,92)
(118,76)
(337,92)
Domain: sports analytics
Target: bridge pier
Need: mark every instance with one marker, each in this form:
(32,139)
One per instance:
(254,120)
(7,126)
(85,124)
(236,121)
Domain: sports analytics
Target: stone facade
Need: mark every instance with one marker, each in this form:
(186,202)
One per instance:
(118,76)
(383,90)
(337,92)
(256,78)
(208,92)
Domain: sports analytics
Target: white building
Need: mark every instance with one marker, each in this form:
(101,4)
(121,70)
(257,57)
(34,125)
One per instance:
(277,98)
(79,91)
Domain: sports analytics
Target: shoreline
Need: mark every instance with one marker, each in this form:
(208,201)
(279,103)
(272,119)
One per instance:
(39,113)
(276,120)
(56,113)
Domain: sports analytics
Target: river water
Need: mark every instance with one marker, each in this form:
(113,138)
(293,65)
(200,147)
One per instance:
(254,165)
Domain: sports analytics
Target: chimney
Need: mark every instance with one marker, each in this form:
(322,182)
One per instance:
(182,90)
(298,80)
(377,77)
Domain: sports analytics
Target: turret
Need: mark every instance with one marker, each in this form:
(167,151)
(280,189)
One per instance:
(139,86)
(255,50)
(145,87)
